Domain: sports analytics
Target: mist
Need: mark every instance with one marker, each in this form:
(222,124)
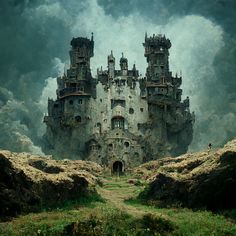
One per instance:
(35,37)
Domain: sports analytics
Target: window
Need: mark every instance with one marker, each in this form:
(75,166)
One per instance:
(141,109)
(117,102)
(81,89)
(131,111)
(126,144)
(71,102)
(118,122)
(78,119)
(80,101)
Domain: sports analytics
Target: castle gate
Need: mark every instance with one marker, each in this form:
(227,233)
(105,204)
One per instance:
(117,167)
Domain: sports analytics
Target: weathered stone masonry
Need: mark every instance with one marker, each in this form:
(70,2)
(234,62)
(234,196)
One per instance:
(118,119)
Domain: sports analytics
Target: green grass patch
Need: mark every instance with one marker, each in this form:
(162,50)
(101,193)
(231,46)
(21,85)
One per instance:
(191,222)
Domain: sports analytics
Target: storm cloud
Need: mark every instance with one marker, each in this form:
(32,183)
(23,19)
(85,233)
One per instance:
(34,46)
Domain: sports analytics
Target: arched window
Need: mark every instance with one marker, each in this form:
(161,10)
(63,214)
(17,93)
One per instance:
(131,111)
(78,119)
(118,122)
(126,144)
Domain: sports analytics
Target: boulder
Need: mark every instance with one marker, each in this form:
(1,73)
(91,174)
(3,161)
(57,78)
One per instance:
(195,180)
(29,182)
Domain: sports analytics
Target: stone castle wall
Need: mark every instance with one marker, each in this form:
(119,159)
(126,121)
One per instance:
(118,119)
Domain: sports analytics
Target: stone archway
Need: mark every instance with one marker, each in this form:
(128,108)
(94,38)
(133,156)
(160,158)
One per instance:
(117,168)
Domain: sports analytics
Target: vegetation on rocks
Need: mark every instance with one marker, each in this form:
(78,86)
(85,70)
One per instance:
(195,180)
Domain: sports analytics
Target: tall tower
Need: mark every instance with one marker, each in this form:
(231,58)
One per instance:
(111,65)
(78,78)
(123,65)
(157,54)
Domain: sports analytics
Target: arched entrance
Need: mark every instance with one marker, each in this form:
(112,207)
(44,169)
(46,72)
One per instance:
(117,168)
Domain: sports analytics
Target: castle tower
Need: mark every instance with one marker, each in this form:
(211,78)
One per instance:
(78,79)
(124,65)
(111,65)
(157,54)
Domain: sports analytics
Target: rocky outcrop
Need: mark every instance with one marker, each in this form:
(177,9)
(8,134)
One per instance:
(28,182)
(196,180)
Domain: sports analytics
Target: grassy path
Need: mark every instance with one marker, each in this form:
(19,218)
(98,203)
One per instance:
(116,190)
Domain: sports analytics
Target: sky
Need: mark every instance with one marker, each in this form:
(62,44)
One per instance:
(34,45)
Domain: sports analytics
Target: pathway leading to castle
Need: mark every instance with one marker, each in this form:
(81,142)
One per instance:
(117,189)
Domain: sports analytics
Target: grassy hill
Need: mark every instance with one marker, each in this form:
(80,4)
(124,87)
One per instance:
(118,212)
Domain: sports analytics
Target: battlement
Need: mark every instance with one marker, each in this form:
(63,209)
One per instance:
(82,42)
(157,41)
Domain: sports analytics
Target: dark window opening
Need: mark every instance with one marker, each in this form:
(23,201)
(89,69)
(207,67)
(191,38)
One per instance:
(99,127)
(131,111)
(80,101)
(80,88)
(78,118)
(100,100)
(118,122)
(126,144)
(71,102)
(117,102)
(110,146)
(141,109)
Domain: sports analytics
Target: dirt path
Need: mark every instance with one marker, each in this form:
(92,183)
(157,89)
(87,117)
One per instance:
(117,190)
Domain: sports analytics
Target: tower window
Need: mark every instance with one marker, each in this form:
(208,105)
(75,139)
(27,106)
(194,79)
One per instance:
(141,109)
(80,101)
(78,119)
(117,122)
(131,111)
(126,144)
(71,102)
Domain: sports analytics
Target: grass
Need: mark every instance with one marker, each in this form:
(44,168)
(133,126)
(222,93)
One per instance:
(118,212)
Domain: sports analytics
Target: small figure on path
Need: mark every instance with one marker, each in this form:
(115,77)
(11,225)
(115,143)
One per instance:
(209,147)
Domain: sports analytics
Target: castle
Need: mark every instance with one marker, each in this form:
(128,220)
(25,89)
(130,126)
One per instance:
(118,119)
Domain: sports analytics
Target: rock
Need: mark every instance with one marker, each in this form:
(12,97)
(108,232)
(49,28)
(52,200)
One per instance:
(29,182)
(132,181)
(195,180)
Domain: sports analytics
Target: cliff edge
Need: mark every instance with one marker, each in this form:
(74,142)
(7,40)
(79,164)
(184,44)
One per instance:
(196,180)
(29,182)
